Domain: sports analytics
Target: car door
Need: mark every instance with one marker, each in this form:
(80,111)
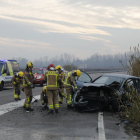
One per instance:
(137,84)
(4,70)
(129,83)
(83,78)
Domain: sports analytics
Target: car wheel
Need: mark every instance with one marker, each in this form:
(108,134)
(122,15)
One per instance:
(41,84)
(1,86)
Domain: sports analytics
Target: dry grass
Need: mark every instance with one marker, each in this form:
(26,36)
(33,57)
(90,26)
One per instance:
(132,112)
(132,65)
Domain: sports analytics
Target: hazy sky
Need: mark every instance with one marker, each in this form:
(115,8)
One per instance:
(38,28)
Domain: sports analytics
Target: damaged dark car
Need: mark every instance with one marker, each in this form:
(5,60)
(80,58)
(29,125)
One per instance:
(102,93)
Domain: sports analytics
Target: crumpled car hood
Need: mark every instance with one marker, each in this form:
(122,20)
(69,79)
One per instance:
(101,85)
(93,85)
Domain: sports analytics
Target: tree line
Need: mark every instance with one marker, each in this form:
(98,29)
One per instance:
(94,61)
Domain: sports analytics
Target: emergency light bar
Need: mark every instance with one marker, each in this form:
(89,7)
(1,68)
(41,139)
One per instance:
(3,60)
(7,60)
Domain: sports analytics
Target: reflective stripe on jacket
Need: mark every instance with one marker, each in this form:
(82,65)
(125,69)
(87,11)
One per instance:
(51,78)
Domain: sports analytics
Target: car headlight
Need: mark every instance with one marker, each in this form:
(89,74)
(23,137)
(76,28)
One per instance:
(38,77)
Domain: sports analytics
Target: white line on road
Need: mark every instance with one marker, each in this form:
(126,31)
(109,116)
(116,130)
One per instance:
(101,131)
(13,105)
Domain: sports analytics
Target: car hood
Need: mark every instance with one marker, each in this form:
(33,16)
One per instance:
(93,85)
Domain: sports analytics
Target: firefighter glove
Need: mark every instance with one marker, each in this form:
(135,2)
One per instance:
(32,86)
(76,88)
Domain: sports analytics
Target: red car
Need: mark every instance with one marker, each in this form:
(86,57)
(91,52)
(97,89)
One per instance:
(39,75)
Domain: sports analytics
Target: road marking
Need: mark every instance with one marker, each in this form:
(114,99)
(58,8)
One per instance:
(13,105)
(101,131)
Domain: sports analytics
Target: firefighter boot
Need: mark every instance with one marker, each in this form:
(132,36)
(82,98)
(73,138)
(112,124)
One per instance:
(16,99)
(56,111)
(19,95)
(50,112)
(61,100)
(24,106)
(29,109)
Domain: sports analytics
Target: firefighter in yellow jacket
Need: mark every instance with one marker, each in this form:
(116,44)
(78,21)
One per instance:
(61,89)
(17,82)
(44,98)
(28,85)
(69,82)
(52,77)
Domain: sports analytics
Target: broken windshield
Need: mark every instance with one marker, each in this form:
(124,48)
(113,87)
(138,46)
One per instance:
(107,80)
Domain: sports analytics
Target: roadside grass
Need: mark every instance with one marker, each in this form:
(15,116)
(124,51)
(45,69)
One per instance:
(131,112)
(132,65)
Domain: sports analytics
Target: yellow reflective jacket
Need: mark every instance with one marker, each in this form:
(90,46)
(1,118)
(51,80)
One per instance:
(27,79)
(70,80)
(51,78)
(16,81)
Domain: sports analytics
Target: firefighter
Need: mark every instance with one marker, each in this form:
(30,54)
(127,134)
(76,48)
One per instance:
(52,78)
(43,98)
(17,82)
(61,89)
(69,82)
(28,85)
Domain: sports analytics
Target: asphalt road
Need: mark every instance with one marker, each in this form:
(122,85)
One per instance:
(67,125)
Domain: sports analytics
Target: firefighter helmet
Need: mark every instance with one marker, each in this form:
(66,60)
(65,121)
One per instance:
(29,64)
(77,73)
(45,89)
(20,74)
(51,65)
(58,67)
